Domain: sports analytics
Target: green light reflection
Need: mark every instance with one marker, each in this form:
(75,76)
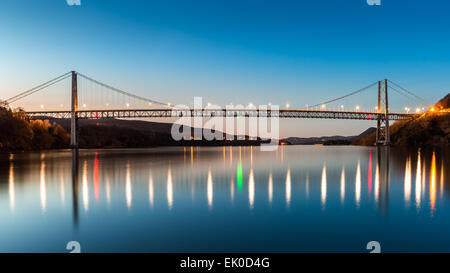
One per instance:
(239,176)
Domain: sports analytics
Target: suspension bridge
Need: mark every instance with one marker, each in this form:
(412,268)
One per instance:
(154,109)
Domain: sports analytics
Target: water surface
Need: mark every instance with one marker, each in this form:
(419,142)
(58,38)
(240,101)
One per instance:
(223,199)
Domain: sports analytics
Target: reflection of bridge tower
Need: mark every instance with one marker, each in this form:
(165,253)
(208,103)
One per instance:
(383,154)
(75,186)
(74,118)
(383,136)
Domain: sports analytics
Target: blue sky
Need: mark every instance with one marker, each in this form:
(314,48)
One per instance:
(296,52)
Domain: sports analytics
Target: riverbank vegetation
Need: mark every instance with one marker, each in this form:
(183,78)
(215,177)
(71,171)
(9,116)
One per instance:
(18,132)
(431,129)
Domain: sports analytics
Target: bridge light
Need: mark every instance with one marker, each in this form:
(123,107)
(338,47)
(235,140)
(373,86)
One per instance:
(323,106)
(42,106)
(357,107)
(128,105)
(84,105)
(417,110)
(149,103)
(342,106)
(169,104)
(250,104)
(209,104)
(287,105)
(432,109)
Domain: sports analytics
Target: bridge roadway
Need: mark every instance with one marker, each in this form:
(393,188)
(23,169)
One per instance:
(176,113)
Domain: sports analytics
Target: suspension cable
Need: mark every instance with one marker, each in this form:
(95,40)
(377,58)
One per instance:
(406,96)
(38,88)
(411,93)
(345,96)
(123,92)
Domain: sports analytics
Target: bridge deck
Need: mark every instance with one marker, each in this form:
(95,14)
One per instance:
(176,113)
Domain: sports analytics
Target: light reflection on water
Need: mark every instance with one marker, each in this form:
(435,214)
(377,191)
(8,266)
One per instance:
(85,187)
(288,187)
(299,198)
(170,188)
(150,188)
(358,184)
(11,187)
(323,186)
(343,185)
(43,190)
(418,181)
(433,183)
(408,181)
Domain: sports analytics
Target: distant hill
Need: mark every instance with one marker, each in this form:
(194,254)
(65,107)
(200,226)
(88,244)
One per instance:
(430,129)
(444,103)
(328,140)
(139,125)
(117,133)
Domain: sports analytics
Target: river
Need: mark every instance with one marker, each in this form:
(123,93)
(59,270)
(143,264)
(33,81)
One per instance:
(226,199)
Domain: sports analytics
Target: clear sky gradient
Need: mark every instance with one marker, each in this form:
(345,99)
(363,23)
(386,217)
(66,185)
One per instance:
(296,52)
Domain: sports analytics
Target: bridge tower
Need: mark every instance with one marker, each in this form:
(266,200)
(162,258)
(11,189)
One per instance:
(383,135)
(74,118)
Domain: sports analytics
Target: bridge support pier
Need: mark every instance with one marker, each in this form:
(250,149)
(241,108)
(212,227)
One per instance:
(383,134)
(74,117)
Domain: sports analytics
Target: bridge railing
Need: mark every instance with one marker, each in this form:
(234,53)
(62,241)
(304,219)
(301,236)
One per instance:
(207,113)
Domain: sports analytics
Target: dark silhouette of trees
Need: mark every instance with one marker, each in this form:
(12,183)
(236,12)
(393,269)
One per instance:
(430,129)
(18,132)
